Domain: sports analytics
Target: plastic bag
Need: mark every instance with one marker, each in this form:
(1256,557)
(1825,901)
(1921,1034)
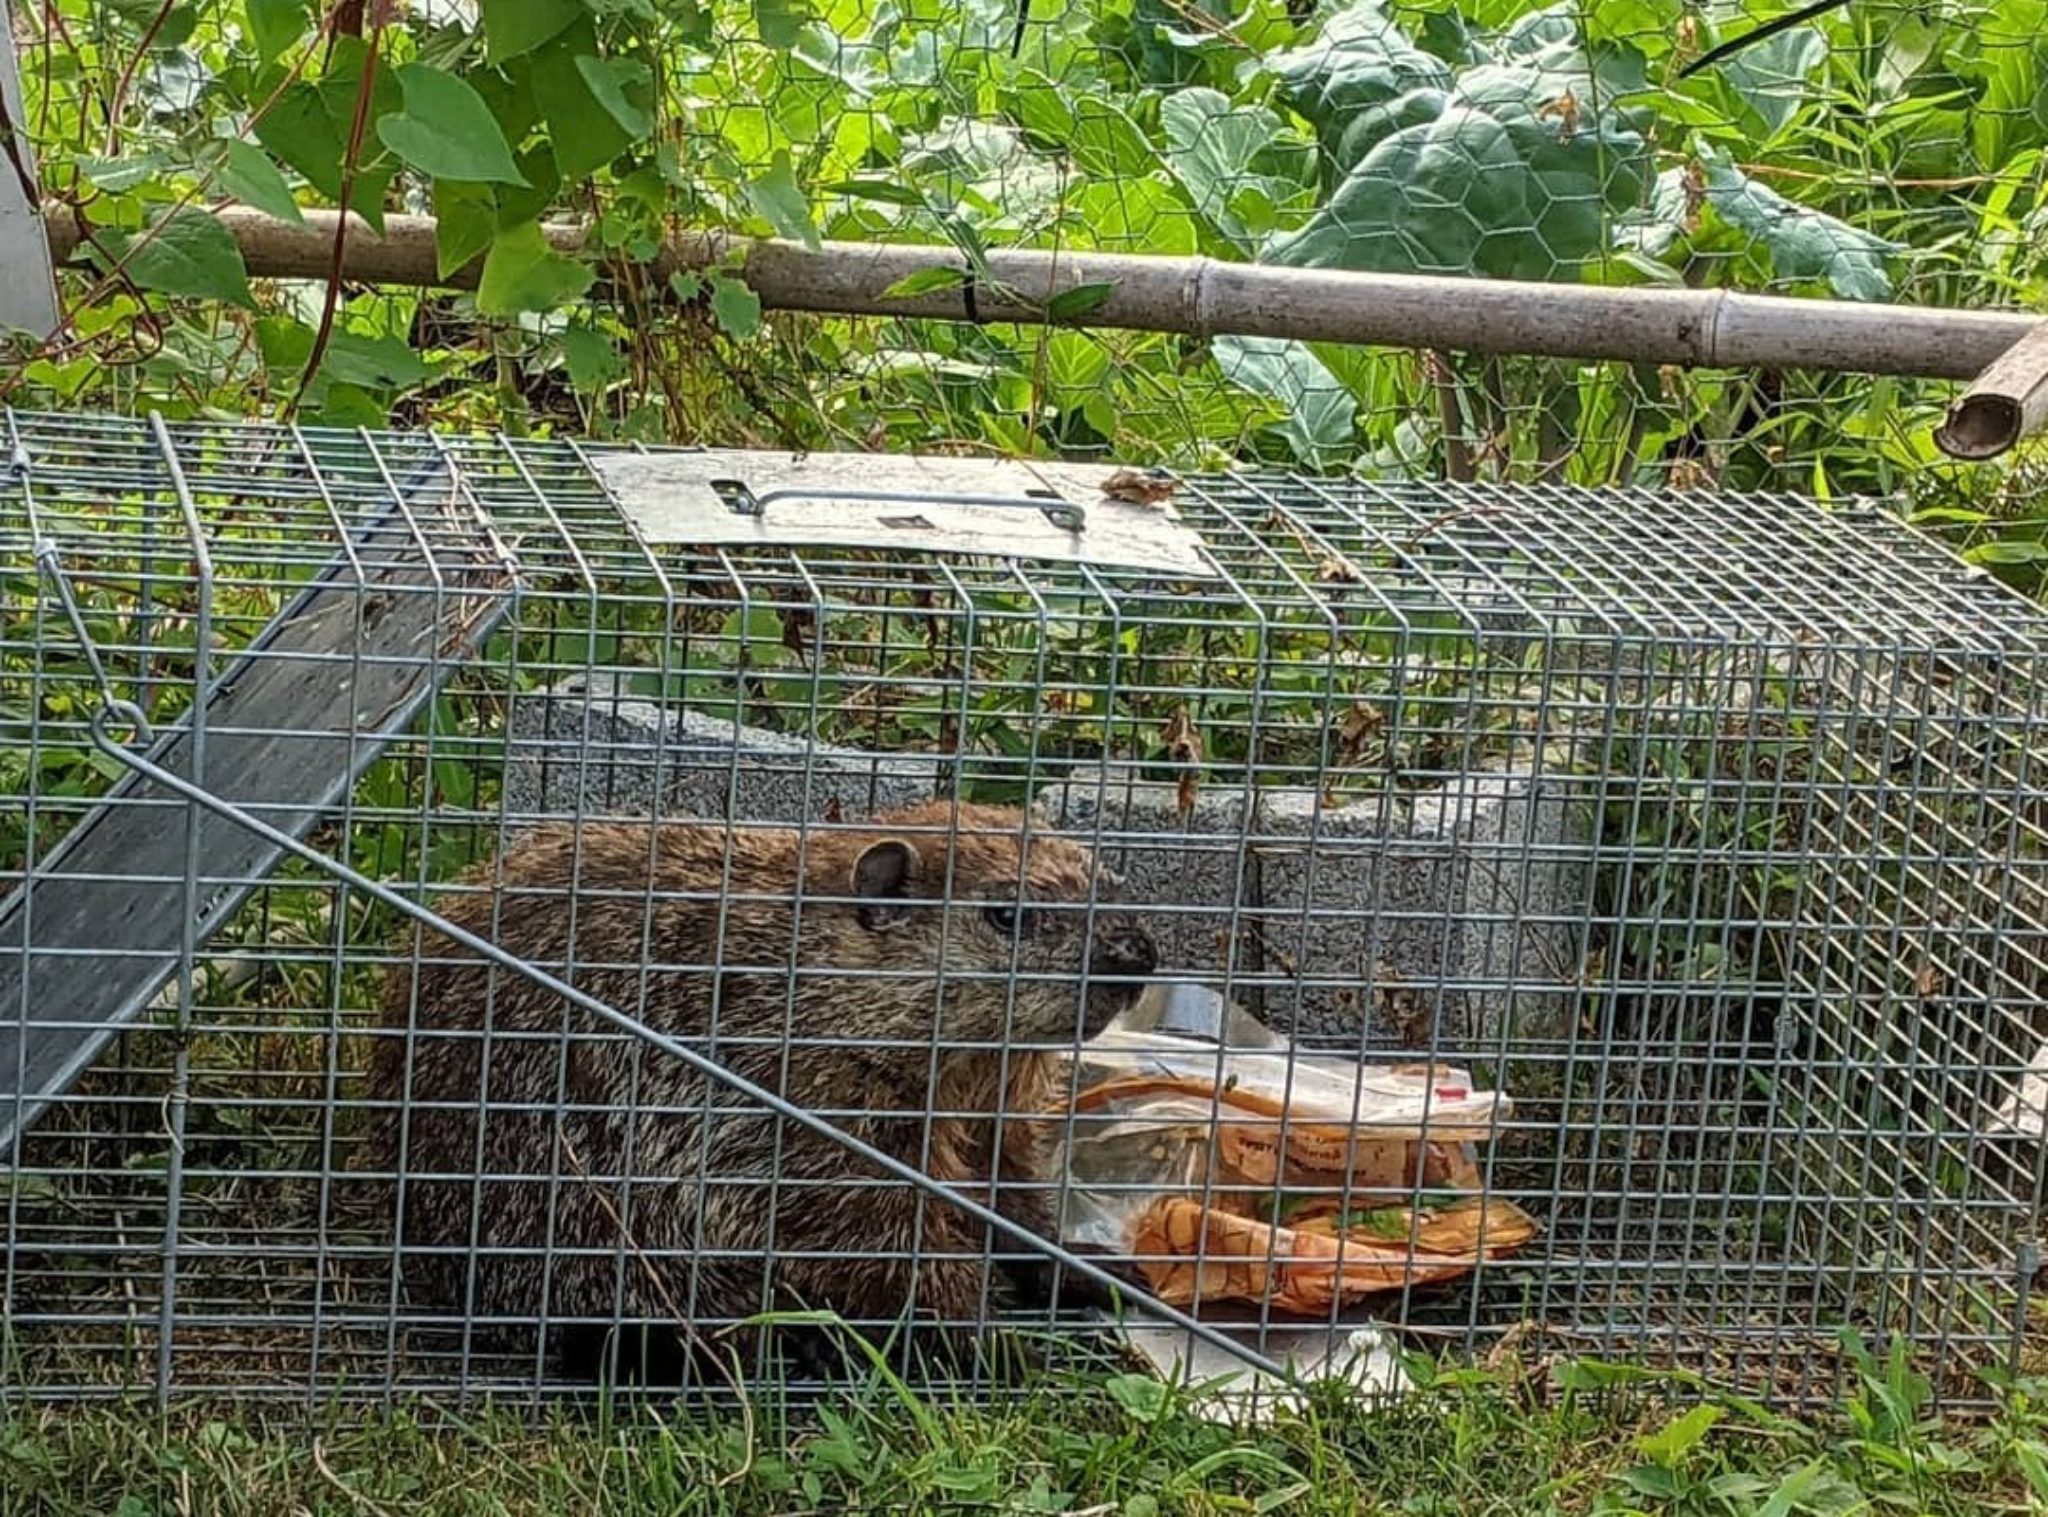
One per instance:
(1223,1165)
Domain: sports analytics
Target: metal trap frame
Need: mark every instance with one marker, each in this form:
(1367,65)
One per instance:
(1708,827)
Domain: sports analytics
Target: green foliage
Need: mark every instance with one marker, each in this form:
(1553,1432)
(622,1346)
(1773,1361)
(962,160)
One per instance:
(446,132)
(1126,1444)
(185,252)
(1878,153)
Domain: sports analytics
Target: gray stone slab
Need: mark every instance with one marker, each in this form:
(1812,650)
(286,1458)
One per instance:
(587,748)
(1412,930)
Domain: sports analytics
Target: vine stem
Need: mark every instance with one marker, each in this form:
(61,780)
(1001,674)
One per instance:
(128,71)
(330,305)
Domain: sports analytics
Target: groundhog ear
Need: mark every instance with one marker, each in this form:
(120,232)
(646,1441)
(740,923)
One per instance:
(882,876)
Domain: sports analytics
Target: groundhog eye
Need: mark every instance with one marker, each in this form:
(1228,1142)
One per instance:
(1003,918)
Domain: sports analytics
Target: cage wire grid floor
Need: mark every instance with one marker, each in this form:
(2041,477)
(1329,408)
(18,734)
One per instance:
(1708,828)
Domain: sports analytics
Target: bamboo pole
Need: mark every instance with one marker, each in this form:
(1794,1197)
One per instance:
(1199,296)
(2009,401)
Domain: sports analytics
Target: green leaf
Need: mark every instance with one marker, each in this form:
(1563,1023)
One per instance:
(513,28)
(1677,1437)
(1800,1488)
(1076,366)
(1102,138)
(591,357)
(886,191)
(298,130)
(1738,1490)
(925,282)
(1358,60)
(1804,244)
(284,343)
(307,130)
(780,21)
(1912,44)
(1773,77)
(117,176)
(1482,179)
(2030,1457)
(374,363)
(1601,1374)
(1211,147)
(274,25)
(1144,1398)
(446,130)
(735,307)
(1135,215)
(245,171)
(1081,300)
(2012,111)
(522,273)
(465,221)
(1649,1480)
(347,407)
(608,79)
(173,26)
(543,186)
(756,636)
(189,254)
(2008,552)
(780,201)
(585,132)
(1653,229)
(1321,415)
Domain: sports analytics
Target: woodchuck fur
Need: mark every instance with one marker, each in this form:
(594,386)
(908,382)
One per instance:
(875,975)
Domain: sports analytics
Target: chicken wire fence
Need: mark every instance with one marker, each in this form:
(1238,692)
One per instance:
(1705,830)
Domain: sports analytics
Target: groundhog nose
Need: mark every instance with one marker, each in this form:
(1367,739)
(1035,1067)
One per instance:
(1128,952)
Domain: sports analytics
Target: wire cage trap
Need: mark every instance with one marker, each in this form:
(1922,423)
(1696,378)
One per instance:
(1708,829)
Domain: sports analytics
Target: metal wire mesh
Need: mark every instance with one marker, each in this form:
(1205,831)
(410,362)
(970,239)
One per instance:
(1708,828)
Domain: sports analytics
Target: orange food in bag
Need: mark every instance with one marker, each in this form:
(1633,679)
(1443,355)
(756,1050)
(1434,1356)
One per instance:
(1314,1264)
(1240,1145)
(1274,1148)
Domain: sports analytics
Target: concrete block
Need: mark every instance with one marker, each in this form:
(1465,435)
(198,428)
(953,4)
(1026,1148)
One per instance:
(1411,930)
(584,747)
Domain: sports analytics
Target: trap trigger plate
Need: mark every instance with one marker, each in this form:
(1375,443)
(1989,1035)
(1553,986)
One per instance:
(906,504)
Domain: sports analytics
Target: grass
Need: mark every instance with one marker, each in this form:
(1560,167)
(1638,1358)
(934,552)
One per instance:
(1577,1438)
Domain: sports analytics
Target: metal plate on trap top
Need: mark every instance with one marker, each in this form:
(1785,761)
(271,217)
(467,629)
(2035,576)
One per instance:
(971,506)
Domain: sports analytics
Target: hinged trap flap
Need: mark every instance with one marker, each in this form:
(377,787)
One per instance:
(291,726)
(1000,508)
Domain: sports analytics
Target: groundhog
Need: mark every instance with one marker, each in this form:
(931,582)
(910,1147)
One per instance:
(922,957)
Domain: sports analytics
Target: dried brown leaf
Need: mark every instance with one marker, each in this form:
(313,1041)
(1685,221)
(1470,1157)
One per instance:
(1361,725)
(1566,109)
(1140,487)
(1183,742)
(798,625)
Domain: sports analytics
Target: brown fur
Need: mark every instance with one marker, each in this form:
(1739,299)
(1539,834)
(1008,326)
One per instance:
(574,1106)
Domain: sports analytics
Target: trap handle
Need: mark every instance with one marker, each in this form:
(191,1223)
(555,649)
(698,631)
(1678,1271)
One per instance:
(742,501)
